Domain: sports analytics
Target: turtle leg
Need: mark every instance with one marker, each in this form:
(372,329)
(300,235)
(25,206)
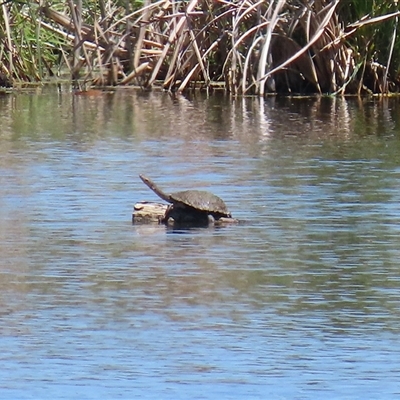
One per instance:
(175,213)
(167,215)
(182,215)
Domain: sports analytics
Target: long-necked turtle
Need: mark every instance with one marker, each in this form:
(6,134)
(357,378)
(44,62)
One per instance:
(190,205)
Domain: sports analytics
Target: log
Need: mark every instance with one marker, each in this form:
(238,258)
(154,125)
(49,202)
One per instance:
(146,212)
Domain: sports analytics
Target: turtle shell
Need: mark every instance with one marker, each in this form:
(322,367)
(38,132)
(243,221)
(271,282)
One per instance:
(201,200)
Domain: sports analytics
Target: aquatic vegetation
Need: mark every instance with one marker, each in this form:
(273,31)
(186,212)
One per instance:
(246,47)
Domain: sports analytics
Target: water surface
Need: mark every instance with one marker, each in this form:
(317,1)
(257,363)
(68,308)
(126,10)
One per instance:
(299,301)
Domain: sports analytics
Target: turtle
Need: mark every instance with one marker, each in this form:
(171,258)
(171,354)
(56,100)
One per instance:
(190,206)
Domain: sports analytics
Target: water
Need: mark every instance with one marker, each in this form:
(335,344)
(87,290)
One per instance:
(299,301)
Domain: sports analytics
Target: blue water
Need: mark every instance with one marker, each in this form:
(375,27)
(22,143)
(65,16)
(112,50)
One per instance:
(299,301)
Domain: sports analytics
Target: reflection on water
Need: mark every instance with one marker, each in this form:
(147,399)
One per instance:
(299,301)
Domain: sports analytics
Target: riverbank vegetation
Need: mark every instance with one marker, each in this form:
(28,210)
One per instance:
(245,46)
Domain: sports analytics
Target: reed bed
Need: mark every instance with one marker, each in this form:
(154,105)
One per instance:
(247,46)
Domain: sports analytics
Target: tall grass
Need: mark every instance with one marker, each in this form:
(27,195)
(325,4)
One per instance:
(247,46)
(28,51)
(374,42)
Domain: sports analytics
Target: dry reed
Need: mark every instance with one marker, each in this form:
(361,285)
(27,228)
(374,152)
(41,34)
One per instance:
(253,47)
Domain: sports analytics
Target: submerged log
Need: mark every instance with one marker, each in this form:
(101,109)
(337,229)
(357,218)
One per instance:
(145,212)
